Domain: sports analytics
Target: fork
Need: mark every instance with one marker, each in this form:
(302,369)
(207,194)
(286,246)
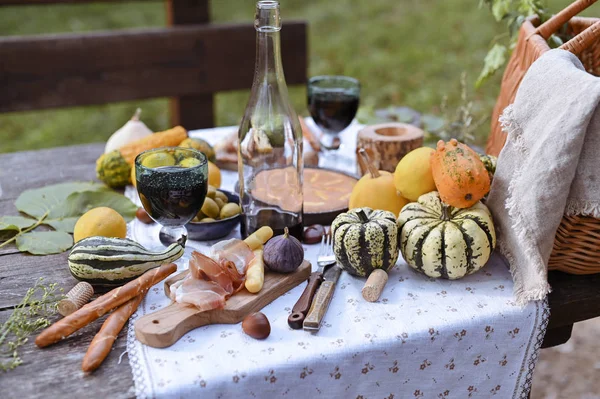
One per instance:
(324,258)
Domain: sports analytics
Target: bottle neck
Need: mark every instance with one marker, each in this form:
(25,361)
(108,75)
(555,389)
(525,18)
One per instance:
(268,58)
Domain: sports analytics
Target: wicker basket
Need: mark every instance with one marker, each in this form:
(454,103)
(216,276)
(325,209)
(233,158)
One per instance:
(577,241)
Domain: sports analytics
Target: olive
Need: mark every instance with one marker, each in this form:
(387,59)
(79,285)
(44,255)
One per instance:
(222,196)
(211,192)
(229,210)
(210,208)
(219,202)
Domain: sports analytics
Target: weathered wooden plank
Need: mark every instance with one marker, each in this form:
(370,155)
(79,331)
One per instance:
(55,372)
(49,2)
(557,336)
(573,298)
(33,169)
(100,67)
(193,111)
(187,12)
(18,273)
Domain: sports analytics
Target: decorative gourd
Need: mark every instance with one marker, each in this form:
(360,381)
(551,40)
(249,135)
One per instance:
(460,176)
(489,161)
(441,241)
(365,239)
(103,261)
(168,138)
(131,131)
(113,170)
(284,253)
(110,167)
(376,190)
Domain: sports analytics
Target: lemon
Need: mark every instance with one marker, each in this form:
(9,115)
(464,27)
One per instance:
(413,176)
(214,175)
(189,162)
(102,221)
(158,159)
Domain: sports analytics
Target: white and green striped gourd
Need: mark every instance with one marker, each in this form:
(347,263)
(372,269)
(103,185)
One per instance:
(103,261)
(365,239)
(442,241)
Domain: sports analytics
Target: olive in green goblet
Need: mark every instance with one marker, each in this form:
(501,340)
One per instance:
(172,183)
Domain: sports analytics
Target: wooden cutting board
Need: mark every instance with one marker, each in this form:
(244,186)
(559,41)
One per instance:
(164,327)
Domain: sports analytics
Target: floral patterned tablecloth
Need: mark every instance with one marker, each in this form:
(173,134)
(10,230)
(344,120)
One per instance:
(424,338)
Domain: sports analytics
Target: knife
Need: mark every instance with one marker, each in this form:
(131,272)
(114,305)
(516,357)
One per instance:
(317,311)
(301,307)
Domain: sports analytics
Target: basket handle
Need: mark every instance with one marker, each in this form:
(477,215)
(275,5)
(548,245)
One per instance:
(546,29)
(583,40)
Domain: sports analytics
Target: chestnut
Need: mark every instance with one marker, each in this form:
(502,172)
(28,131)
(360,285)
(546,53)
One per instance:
(313,234)
(143,216)
(256,325)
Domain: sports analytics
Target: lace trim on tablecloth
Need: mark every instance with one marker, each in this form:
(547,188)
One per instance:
(533,352)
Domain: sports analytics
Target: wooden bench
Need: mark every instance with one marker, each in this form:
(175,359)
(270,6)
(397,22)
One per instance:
(189,60)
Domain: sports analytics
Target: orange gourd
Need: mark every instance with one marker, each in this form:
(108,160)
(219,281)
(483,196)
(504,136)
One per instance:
(459,174)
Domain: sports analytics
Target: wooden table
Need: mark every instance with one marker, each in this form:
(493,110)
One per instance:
(56,370)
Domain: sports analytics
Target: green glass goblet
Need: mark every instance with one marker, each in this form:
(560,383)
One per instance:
(172,183)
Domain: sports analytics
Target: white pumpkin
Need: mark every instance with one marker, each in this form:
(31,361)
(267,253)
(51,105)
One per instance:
(442,241)
(131,131)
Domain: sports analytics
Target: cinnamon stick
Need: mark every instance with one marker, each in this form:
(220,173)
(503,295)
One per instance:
(102,305)
(106,337)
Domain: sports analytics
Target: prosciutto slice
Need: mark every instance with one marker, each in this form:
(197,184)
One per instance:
(214,279)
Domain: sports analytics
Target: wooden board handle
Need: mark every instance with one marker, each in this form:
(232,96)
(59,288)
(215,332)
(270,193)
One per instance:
(164,327)
(296,319)
(319,306)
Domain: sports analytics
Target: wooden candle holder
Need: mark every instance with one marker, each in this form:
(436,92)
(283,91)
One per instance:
(386,144)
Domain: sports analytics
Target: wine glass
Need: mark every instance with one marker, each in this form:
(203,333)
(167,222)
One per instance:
(172,183)
(333,102)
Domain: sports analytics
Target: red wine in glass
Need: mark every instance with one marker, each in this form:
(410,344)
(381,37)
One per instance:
(333,103)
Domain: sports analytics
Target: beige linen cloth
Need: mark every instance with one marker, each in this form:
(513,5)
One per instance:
(550,165)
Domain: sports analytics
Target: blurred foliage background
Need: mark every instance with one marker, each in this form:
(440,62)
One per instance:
(404,52)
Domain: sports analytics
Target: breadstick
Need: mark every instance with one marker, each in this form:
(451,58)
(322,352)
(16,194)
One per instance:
(104,340)
(259,237)
(255,275)
(102,305)
(309,136)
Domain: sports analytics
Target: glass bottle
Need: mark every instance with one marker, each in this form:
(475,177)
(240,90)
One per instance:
(270,162)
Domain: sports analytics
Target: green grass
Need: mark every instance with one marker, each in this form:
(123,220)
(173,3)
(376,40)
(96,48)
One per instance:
(408,52)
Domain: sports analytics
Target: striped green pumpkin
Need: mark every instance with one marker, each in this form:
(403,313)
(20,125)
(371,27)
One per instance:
(441,241)
(104,261)
(365,239)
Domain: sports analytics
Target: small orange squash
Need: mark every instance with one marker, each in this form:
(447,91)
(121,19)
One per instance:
(459,174)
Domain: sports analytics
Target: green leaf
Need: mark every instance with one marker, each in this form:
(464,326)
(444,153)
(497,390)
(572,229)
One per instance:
(64,216)
(11,225)
(38,201)
(500,8)
(44,242)
(494,60)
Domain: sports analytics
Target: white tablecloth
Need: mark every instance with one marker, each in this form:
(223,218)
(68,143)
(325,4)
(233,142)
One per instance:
(424,338)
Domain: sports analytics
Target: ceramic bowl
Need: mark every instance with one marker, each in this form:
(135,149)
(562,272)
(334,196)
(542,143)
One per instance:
(208,231)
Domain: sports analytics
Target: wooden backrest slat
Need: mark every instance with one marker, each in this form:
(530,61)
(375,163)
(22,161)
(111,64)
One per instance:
(47,2)
(63,70)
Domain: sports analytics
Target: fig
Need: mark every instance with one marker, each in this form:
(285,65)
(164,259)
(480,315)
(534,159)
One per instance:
(284,253)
